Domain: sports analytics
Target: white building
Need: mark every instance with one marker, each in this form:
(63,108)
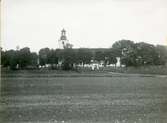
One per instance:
(63,42)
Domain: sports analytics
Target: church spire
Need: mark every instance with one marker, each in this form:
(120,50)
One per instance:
(63,32)
(63,42)
(63,35)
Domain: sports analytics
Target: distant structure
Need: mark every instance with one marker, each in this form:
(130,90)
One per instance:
(17,47)
(63,42)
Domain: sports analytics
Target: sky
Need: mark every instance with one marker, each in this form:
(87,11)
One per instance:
(89,23)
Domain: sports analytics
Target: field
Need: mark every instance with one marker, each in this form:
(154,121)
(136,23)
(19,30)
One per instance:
(50,97)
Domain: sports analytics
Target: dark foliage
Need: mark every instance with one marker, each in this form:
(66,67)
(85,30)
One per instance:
(130,53)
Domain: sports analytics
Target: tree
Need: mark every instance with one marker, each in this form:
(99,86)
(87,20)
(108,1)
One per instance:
(99,56)
(161,54)
(110,57)
(34,59)
(24,57)
(52,57)
(43,56)
(4,58)
(123,46)
(84,56)
(16,59)
(11,59)
(69,59)
(125,49)
(146,54)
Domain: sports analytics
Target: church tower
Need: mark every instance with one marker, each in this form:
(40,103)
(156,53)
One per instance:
(63,42)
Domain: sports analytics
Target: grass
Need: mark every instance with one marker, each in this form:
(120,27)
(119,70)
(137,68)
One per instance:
(50,97)
(148,70)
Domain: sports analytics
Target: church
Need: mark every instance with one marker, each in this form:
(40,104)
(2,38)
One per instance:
(63,41)
(64,44)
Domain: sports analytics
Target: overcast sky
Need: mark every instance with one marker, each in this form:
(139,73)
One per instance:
(89,23)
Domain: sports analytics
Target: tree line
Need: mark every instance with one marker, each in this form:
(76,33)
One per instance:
(130,54)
